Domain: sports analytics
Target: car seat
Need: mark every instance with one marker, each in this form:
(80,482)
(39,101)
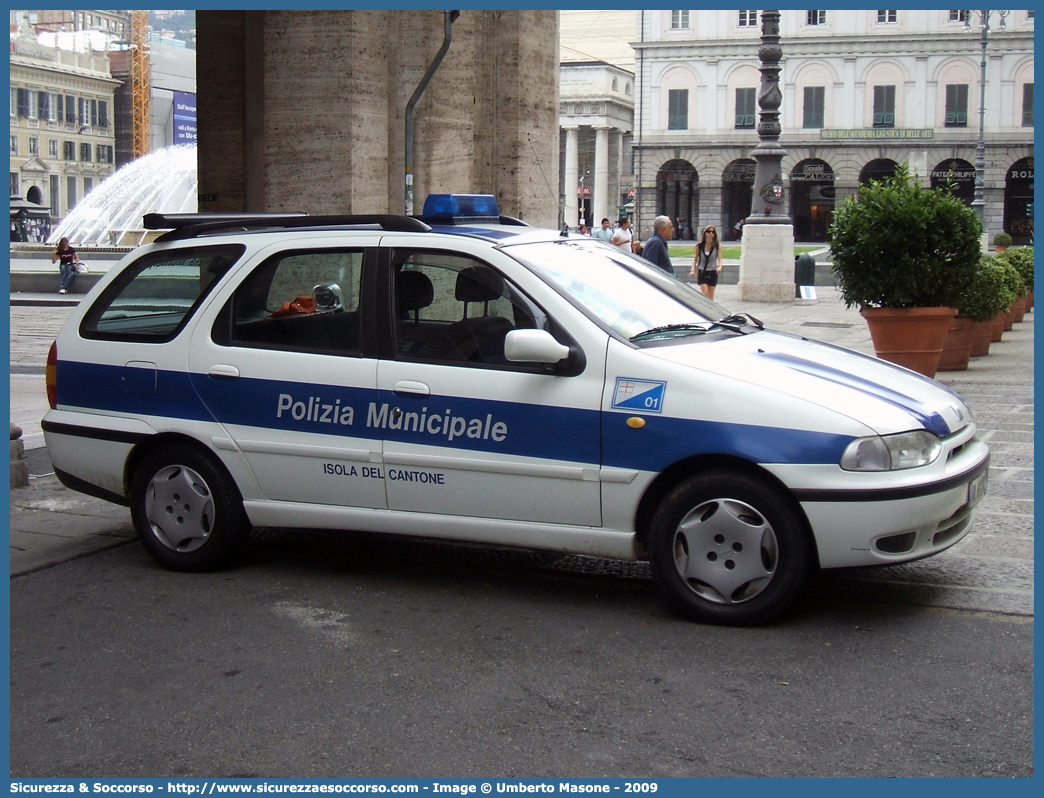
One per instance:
(480,338)
(413,292)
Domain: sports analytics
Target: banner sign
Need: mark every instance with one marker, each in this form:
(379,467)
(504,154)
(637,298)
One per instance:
(878,133)
(184,118)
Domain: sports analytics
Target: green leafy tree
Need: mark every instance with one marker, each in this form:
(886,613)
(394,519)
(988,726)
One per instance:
(898,245)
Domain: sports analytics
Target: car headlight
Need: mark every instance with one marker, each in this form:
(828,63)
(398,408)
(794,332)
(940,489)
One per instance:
(891,452)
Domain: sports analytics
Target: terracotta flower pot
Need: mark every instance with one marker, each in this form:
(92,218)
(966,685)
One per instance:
(1009,319)
(1029,300)
(1018,308)
(910,337)
(982,335)
(998,326)
(957,347)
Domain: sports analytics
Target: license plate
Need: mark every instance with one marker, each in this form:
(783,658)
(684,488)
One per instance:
(977,488)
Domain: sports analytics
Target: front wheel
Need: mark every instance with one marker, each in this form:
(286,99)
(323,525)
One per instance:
(187,512)
(728,548)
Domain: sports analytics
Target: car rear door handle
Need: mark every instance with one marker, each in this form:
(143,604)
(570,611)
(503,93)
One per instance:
(228,372)
(411,388)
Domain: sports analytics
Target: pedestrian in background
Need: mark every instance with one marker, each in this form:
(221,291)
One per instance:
(68,257)
(655,248)
(603,233)
(622,236)
(707,264)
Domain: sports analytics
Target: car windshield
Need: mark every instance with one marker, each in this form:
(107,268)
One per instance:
(635,299)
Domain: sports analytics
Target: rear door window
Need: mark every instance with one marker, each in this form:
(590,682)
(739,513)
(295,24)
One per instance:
(298,300)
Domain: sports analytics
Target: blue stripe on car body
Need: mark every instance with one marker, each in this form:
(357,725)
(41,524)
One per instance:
(552,433)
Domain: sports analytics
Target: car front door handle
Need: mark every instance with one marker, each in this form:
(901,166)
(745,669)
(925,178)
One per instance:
(411,388)
(227,372)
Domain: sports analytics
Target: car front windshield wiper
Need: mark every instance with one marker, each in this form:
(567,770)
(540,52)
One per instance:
(741,318)
(730,323)
(700,328)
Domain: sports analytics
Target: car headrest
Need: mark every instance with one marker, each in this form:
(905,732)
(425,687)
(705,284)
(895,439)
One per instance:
(478,284)
(413,291)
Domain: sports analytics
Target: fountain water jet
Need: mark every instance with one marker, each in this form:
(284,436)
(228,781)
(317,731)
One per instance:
(164,181)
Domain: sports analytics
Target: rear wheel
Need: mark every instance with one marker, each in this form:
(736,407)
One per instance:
(728,548)
(187,512)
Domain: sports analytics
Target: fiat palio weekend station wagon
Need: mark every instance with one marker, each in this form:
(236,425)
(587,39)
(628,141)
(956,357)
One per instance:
(466,377)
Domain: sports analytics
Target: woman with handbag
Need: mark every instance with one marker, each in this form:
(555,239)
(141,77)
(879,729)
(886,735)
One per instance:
(68,257)
(707,264)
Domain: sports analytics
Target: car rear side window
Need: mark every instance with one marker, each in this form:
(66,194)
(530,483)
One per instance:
(152,298)
(303,301)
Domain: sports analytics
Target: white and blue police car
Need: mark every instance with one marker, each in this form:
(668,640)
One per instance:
(466,377)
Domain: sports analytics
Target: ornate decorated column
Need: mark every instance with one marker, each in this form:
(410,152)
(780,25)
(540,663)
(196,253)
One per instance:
(767,255)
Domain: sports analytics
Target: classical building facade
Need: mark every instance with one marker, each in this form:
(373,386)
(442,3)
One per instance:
(596,117)
(863,91)
(62,131)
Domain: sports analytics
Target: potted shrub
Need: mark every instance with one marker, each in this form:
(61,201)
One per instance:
(985,296)
(905,254)
(1001,242)
(1016,287)
(1022,259)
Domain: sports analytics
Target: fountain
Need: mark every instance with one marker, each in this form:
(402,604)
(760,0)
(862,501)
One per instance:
(163,181)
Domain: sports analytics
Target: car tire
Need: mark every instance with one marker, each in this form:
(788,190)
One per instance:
(187,511)
(728,548)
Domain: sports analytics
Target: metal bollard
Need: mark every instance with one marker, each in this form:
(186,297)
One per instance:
(804,272)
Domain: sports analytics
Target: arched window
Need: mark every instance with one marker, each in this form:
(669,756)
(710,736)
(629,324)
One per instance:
(677,194)
(878,169)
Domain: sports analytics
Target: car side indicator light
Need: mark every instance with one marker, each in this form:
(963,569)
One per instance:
(635,423)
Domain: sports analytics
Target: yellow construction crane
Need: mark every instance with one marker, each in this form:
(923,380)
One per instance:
(141,89)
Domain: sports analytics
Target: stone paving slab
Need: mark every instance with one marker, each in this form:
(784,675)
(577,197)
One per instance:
(51,524)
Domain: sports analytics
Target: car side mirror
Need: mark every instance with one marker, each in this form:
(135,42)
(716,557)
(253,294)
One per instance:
(533,346)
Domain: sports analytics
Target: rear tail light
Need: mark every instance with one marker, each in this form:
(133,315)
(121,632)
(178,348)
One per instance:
(50,376)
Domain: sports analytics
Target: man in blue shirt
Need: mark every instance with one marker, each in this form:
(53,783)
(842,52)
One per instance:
(604,233)
(655,249)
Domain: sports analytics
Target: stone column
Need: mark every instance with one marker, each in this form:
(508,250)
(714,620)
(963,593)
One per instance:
(601,176)
(767,254)
(620,163)
(570,208)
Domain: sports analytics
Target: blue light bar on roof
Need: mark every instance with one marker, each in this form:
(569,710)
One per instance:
(451,208)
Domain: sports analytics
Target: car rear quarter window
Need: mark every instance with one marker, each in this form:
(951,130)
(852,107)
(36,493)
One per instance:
(153,297)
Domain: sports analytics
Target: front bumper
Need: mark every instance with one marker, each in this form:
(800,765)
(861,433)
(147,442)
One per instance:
(893,526)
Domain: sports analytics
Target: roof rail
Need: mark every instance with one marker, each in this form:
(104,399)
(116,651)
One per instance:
(190,225)
(174,221)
